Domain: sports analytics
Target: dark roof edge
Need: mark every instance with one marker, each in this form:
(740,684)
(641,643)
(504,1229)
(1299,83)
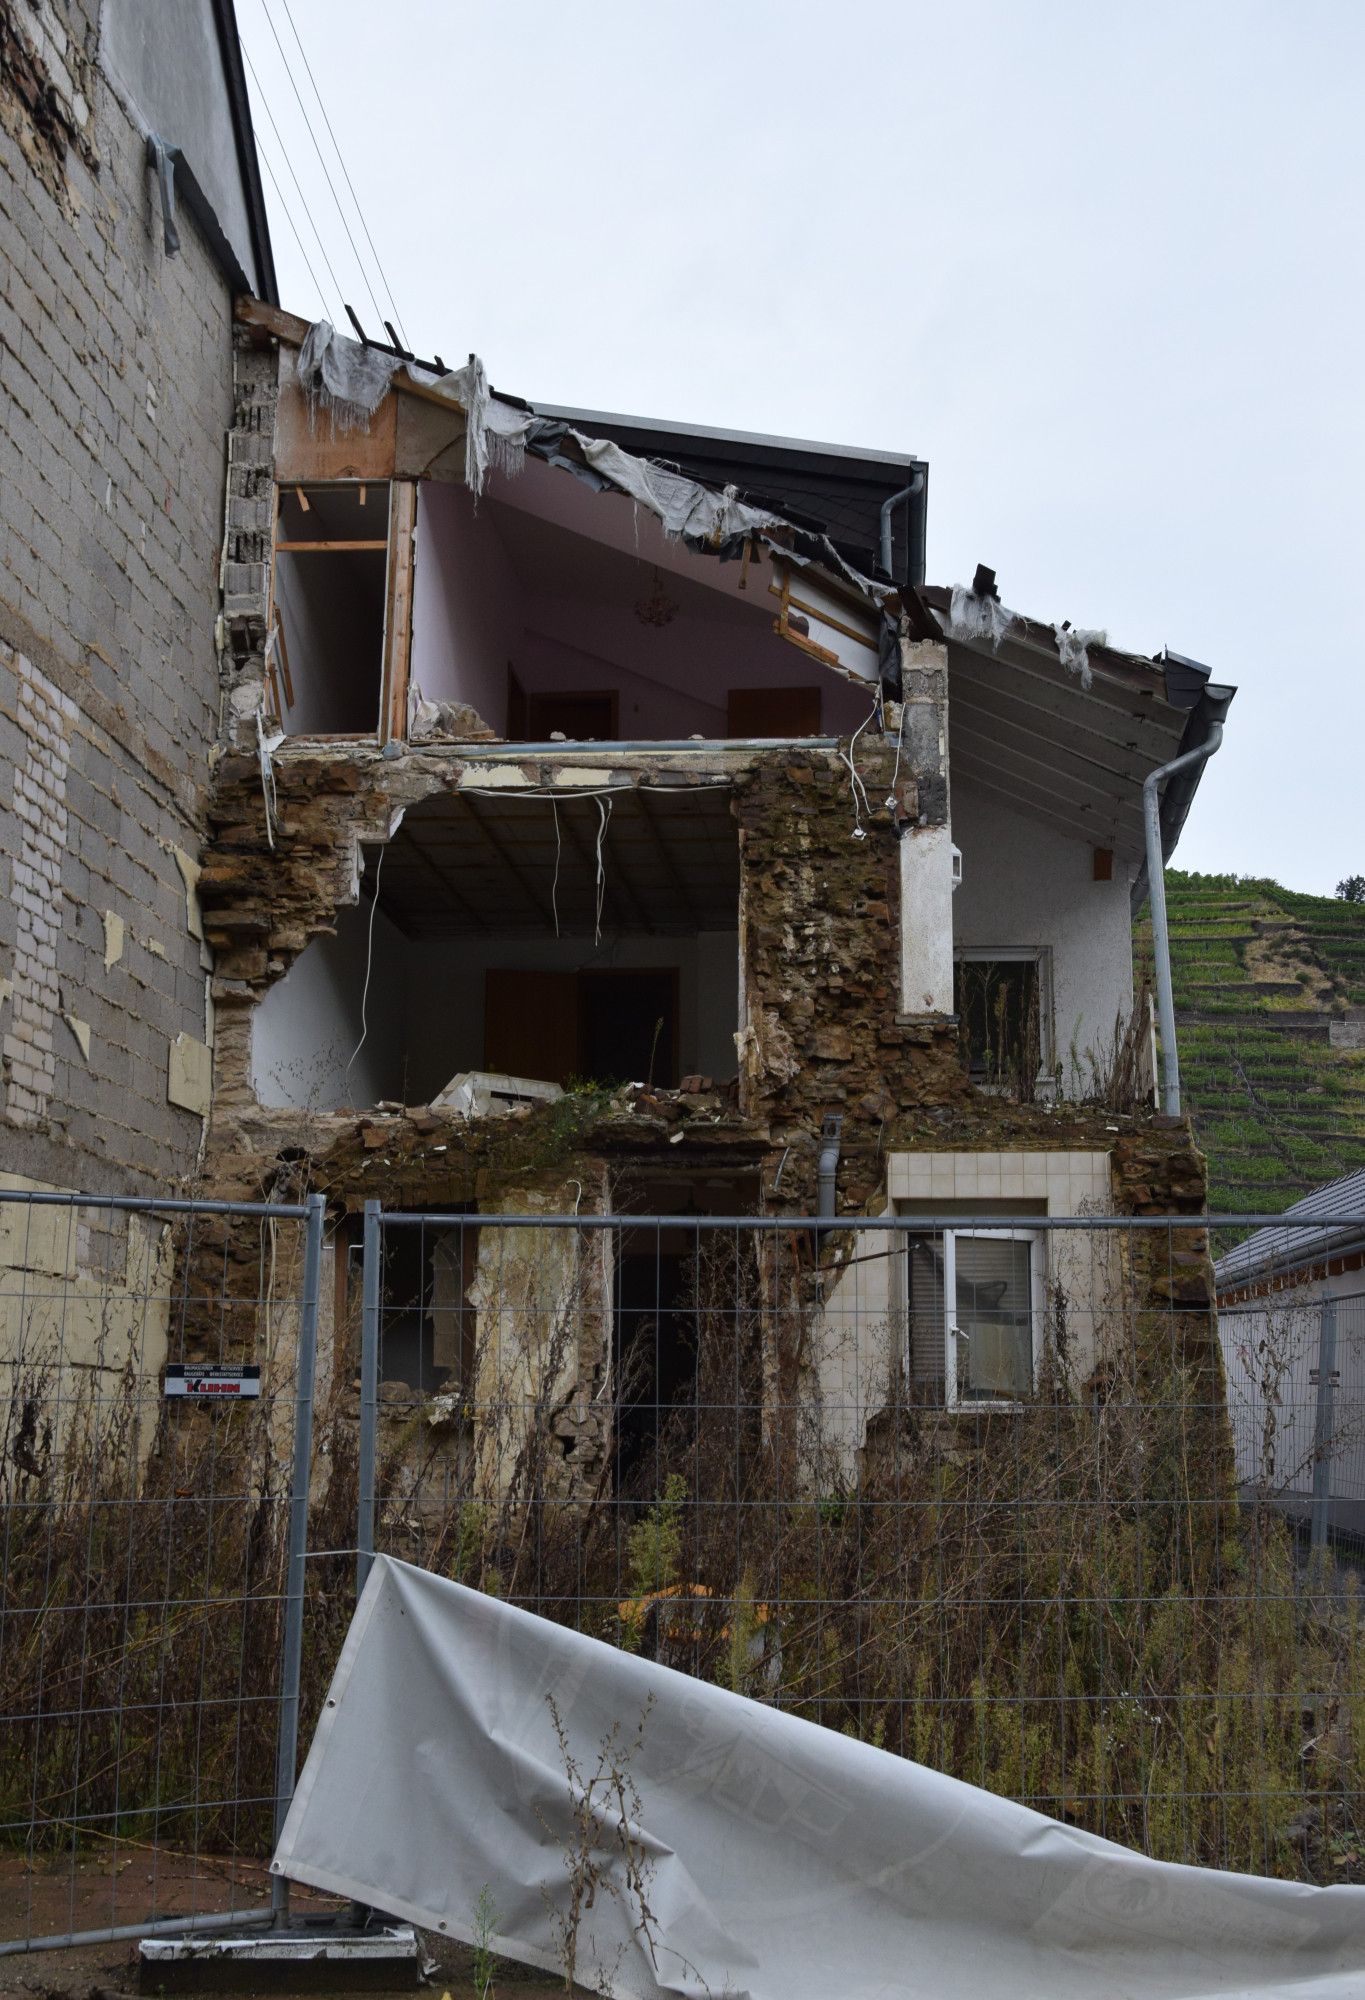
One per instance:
(1264,1260)
(201,208)
(760,441)
(234,73)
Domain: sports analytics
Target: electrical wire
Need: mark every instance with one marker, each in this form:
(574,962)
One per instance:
(284,210)
(604,807)
(369,966)
(896,767)
(856,785)
(341,161)
(284,151)
(331,187)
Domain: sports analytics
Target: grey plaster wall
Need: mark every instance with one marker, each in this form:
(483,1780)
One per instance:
(165,56)
(115,375)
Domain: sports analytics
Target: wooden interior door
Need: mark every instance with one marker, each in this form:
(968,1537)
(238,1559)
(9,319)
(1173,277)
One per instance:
(530,1024)
(780,712)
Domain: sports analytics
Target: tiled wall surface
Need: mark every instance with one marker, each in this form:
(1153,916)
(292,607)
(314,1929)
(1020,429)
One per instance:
(1070,1183)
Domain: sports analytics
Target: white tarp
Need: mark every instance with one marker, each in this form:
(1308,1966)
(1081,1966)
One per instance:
(763,1855)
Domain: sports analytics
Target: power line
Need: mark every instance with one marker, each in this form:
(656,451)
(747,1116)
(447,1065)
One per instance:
(339,294)
(341,160)
(284,210)
(331,188)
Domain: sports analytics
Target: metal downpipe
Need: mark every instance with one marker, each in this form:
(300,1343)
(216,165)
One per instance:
(888,508)
(1161,938)
(827,1166)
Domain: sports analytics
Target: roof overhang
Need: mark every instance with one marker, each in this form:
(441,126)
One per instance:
(1073,744)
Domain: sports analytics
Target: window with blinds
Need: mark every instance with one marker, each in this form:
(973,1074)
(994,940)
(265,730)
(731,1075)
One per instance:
(994,1316)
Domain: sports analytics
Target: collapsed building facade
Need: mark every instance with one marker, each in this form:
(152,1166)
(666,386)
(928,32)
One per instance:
(518,810)
(610,820)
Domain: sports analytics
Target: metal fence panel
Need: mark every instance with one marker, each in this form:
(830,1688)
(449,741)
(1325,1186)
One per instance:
(967,1488)
(1000,1494)
(147,1480)
(1298,1412)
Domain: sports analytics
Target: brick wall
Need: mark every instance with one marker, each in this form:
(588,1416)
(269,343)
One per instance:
(115,372)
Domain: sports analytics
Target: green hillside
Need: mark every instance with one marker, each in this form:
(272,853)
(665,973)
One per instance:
(1269,993)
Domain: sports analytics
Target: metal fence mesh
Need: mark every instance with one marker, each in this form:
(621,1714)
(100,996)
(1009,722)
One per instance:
(143,1551)
(1008,1497)
(970,1492)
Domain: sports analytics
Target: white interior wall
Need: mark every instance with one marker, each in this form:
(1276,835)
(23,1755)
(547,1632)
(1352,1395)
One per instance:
(334,632)
(672,681)
(307,1027)
(1028,885)
(466,603)
(474,614)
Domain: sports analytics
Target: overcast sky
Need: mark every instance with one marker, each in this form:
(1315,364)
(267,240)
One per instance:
(1101,264)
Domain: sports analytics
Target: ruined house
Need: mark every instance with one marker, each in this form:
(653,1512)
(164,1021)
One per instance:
(610,819)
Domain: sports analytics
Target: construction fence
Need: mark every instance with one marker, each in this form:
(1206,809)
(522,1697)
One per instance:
(1007,1495)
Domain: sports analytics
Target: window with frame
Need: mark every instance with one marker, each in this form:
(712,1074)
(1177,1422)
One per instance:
(973,1302)
(1003,1008)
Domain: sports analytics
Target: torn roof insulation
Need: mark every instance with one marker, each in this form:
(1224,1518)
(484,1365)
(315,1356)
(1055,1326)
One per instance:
(1078,763)
(838,490)
(349,381)
(865,501)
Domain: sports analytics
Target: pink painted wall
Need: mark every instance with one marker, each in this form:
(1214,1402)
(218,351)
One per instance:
(466,603)
(490,590)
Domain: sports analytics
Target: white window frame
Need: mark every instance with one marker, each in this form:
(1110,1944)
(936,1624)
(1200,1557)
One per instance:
(952,1333)
(1039,955)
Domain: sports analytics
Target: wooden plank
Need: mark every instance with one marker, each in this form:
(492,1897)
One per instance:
(309,448)
(821,613)
(324,548)
(398,611)
(1052,755)
(428,441)
(1056,720)
(1124,692)
(269,319)
(286,677)
(808,646)
(1128,718)
(1081,822)
(1049,775)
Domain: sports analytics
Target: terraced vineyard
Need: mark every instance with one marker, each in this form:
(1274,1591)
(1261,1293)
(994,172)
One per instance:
(1270,995)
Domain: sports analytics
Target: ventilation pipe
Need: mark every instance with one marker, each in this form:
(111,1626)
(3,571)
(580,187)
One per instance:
(828,1165)
(1161,939)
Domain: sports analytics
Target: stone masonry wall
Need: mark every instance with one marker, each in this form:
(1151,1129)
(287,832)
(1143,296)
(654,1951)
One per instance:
(115,370)
(821,921)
